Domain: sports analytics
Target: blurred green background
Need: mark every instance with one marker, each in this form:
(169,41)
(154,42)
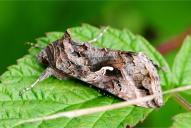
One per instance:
(158,21)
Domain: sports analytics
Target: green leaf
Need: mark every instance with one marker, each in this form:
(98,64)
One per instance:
(52,95)
(182,120)
(182,64)
(182,74)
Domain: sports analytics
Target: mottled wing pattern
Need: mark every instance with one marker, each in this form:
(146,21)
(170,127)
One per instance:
(127,75)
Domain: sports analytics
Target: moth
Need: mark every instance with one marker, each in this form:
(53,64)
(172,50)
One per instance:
(125,74)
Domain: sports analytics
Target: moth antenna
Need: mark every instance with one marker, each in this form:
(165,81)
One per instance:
(33,45)
(48,72)
(99,35)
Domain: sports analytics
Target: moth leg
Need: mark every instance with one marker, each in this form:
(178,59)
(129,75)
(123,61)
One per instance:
(99,35)
(163,68)
(47,73)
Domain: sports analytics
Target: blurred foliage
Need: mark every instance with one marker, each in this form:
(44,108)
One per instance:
(22,21)
(181,120)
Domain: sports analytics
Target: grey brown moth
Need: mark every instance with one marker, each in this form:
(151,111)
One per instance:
(125,74)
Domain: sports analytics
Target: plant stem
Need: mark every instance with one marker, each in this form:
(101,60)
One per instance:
(172,44)
(186,105)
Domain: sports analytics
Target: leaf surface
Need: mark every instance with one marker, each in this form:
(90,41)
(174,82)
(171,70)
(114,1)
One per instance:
(182,77)
(182,120)
(182,64)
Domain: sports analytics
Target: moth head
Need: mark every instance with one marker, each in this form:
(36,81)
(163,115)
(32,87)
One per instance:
(42,57)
